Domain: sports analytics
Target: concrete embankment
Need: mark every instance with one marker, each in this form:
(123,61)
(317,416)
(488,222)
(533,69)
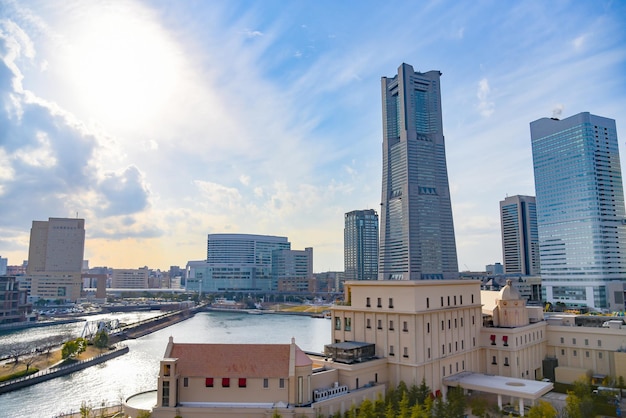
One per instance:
(54,372)
(154,324)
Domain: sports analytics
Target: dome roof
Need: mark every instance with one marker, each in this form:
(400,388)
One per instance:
(508,292)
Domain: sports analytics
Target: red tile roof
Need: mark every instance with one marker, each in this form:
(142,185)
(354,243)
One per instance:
(235,360)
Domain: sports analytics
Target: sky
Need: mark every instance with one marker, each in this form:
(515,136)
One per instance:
(160,122)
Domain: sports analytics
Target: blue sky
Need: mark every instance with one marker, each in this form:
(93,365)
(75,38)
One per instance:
(160,122)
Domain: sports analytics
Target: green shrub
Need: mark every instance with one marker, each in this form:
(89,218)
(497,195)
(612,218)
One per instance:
(17,375)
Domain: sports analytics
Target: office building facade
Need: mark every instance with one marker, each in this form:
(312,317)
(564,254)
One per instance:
(520,236)
(416,230)
(55,258)
(580,208)
(235,262)
(360,245)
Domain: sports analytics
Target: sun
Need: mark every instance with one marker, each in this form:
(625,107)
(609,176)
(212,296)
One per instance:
(122,66)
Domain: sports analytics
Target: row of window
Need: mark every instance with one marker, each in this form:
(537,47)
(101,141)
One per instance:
(209,382)
(587,354)
(586,341)
(405,325)
(452,301)
(443,369)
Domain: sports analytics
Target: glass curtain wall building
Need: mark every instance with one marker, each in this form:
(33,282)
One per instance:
(520,236)
(416,230)
(580,208)
(360,245)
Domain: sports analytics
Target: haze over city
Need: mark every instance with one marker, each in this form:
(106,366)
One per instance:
(160,122)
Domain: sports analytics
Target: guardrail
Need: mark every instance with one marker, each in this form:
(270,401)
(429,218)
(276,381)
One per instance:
(53,372)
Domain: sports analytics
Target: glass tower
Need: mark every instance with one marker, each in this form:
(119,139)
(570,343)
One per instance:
(360,245)
(520,236)
(416,230)
(580,208)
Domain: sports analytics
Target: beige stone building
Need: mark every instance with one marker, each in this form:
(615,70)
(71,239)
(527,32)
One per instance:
(446,332)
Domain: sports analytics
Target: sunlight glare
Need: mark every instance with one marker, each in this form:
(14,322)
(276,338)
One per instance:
(123,68)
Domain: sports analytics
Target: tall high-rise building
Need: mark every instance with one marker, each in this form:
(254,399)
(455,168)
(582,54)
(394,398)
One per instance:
(520,238)
(580,208)
(360,245)
(57,244)
(235,262)
(55,259)
(416,230)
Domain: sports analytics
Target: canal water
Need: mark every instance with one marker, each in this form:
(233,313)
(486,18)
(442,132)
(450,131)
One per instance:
(137,371)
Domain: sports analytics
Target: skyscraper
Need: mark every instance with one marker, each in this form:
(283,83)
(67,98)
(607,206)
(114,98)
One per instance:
(520,239)
(580,208)
(55,258)
(360,245)
(416,230)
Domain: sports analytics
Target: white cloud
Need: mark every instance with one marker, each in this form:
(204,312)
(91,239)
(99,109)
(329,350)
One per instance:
(245,180)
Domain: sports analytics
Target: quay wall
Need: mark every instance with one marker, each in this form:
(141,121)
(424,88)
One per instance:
(54,372)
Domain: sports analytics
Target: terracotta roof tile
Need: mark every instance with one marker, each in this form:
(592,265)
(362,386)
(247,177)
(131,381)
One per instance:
(235,360)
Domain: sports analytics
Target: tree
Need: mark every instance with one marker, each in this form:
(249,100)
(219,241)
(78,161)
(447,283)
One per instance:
(366,409)
(479,407)
(456,402)
(101,339)
(404,410)
(572,406)
(543,409)
(423,392)
(73,348)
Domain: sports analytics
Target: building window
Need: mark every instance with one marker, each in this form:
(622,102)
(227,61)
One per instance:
(587,354)
(449,347)
(456,346)
(493,360)
(390,325)
(337,323)
(492,337)
(574,353)
(406,352)
(391,303)
(462,344)
(427,302)
(473,341)
(574,341)
(281,383)
(472,298)
(348,324)
(454,300)
(443,325)
(266,383)
(600,356)
(368,324)
(165,396)
(225,382)
(428,327)
(506,361)
(562,352)
(443,349)
(473,320)
(367,302)
(442,301)
(454,322)
(405,326)
(380,303)
(186,382)
(380,324)
(208,382)
(242,382)
(505,340)
(461,321)
(391,353)
(599,343)
(449,324)
(443,370)
(586,341)
(429,352)
(562,340)
(448,300)
(463,365)
(166,370)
